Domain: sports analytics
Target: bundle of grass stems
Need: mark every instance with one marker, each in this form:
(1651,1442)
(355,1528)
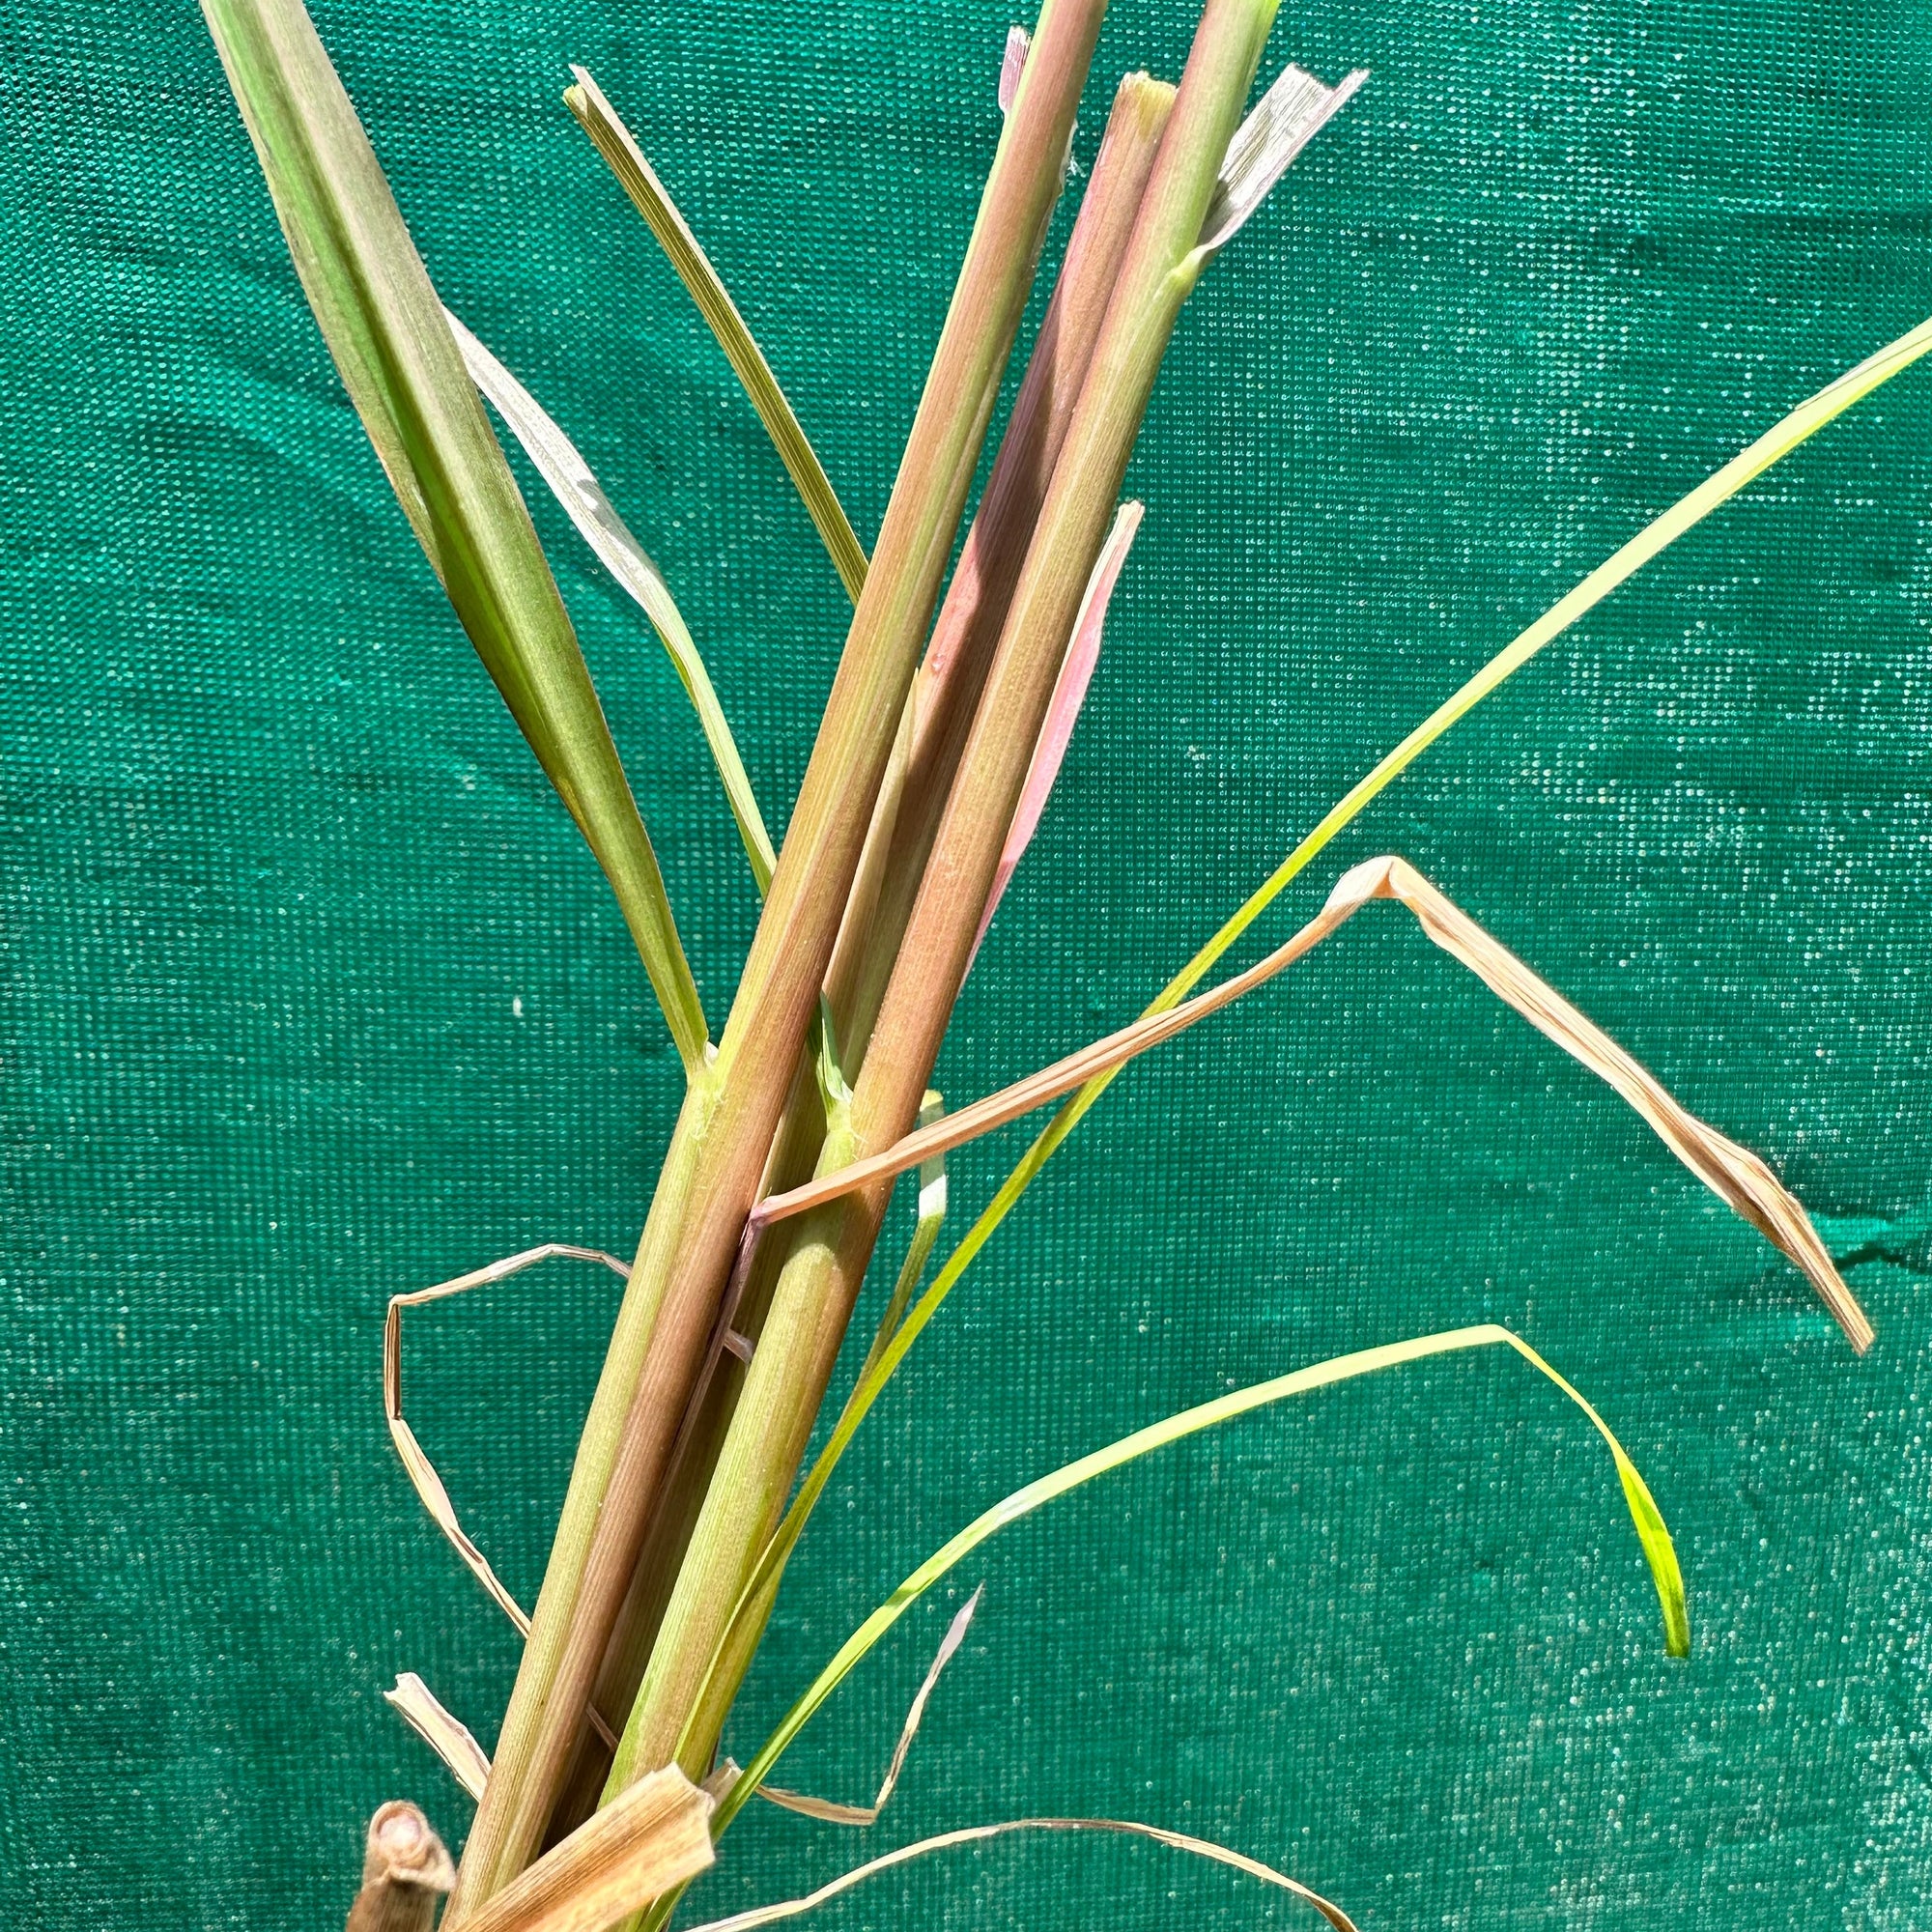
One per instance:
(939,742)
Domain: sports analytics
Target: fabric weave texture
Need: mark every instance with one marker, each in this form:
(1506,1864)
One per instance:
(312,994)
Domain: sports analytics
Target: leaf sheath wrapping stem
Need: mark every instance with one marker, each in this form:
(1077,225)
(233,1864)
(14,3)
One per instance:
(814,1296)
(698,1215)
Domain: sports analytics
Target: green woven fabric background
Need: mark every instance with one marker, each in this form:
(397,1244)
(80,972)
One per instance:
(312,994)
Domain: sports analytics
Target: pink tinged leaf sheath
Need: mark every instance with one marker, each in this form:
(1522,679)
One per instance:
(384,327)
(653,1371)
(1734,1174)
(1069,694)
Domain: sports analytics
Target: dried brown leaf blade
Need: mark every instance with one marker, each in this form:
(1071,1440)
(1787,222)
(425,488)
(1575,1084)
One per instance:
(1734,1174)
(420,1469)
(975,1834)
(447,1736)
(384,327)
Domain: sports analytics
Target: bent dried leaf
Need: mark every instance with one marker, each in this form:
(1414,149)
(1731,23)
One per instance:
(421,1471)
(975,1834)
(1734,1174)
(829,1812)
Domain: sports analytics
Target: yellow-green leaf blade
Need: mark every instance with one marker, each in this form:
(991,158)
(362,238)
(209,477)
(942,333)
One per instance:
(1655,1539)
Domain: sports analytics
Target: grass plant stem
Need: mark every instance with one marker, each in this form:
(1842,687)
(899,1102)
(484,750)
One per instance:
(726,1129)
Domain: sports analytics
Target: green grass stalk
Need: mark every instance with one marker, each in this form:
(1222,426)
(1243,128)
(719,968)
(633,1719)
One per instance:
(726,1130)
(789,1374)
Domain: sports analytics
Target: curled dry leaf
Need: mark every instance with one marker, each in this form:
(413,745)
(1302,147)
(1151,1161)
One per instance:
(421,1471)
(975,1834)
(832,1813)
(1736,1174)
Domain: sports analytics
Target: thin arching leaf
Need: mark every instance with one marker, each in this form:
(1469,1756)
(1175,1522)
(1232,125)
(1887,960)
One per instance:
(1734,1174)
(1776,442)
(571,481)
(636,175)
(1654,1539)
(384,327)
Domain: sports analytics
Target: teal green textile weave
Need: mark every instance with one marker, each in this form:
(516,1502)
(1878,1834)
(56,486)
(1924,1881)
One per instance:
(313,995)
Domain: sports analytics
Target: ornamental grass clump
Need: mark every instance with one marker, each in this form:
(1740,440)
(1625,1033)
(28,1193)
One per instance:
(943,731)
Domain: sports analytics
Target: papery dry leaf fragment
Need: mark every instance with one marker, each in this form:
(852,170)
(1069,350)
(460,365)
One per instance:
(1734,1174)
(653,1837)
(447,1736)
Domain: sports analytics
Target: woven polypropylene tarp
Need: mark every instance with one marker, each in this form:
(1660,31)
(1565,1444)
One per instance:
(312,994)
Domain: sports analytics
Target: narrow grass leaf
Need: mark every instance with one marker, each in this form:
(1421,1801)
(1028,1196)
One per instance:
(977,1835)
(1776,442)
(1658,1550)
(421,1471)
(574,486)
(384,327)
(636,175)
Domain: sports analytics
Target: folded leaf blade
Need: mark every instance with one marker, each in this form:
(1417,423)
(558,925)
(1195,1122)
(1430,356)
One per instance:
(384,327)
